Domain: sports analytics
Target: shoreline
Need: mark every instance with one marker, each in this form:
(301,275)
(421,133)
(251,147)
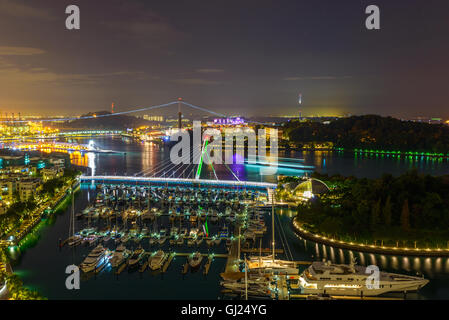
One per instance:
(53,206)
(367,248)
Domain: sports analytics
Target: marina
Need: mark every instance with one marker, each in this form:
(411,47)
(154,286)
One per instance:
(130,225)
(110,223)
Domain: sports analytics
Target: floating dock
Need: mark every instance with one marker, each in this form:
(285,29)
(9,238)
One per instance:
(306,296)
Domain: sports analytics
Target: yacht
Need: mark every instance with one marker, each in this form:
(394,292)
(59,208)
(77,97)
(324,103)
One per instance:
(217,241)
(195,260)
(153,239)
(193,218)
(125,238)
(266,264)
(95,259)
(192,237)
(119,256)
(199,238)
(172,216)
(210,241)
(173,231)
(184,232)
(162,236)
(352,280)
(181,237)
(173,239)
(259,286)
(157,260)
(136,257)
(75,240)
(214,217)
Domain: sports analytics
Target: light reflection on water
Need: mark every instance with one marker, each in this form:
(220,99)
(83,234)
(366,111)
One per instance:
(429,266)
(145,156)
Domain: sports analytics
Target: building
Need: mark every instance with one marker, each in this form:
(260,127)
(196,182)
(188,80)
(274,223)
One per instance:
(12,160)
(3,207)
(7,188)
(58,163)
(27,188)
(52,173)
(19,171)
(154,118)
(229,121)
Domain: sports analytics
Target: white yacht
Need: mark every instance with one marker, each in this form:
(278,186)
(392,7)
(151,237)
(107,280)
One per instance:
(351,280)
(95,259)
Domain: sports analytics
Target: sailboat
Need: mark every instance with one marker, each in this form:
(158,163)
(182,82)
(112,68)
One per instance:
(269,264)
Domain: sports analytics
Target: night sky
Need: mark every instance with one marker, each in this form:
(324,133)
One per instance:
(235,57)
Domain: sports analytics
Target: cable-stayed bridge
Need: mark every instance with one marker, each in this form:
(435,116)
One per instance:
(187,169)
(136,110)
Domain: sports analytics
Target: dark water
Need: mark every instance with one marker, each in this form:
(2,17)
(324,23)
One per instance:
(41,264)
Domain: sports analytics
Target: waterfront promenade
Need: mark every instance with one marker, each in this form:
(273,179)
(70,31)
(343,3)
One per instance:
(418,252)
(37,214)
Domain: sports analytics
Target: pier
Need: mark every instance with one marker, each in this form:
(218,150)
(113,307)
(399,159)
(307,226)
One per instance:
(264,250)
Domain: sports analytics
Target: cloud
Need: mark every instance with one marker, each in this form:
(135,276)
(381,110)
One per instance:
(12,73)
(196,81)
(317,78)
(209,70)
(19,10)
(132,20)
(19,51)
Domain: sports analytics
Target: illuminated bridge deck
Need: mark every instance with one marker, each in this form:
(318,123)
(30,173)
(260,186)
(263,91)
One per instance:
(177,181)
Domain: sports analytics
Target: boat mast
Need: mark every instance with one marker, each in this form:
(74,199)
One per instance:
(73,212)
(238,252)
(272,221)
(246,279)
(260,256)
(73,225)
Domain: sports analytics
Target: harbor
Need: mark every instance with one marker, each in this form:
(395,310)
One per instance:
(171,280)
(140,229)
(133,228)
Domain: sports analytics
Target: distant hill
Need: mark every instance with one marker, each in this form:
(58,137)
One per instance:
(372,132)
(118,122)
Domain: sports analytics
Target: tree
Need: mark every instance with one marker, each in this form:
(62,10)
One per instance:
(18,292)
(405,216)
(375,215)
(387,212)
